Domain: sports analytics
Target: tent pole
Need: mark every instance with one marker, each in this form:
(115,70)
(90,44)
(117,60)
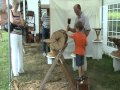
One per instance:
(102,13)
(9,49)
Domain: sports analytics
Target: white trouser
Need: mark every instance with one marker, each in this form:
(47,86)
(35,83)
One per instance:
(16,54)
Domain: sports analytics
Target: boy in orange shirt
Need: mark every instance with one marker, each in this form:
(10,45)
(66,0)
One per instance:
(80,40)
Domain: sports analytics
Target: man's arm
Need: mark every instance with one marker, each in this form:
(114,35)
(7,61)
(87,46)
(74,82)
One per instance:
(70,29)
(87,32)
(86,26)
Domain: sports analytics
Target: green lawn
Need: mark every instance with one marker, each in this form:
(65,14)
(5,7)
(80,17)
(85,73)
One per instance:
(4,66)
(101,74)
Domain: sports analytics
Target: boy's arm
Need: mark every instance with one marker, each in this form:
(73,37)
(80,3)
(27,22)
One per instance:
(71,36)
(70,29)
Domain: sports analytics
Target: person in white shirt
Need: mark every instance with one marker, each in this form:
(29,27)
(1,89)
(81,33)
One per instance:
(45,31)
(80,17)
(16,40)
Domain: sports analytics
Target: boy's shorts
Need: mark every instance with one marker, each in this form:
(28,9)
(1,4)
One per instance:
(79,60)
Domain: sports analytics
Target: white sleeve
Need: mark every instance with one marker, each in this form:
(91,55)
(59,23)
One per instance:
(86,24)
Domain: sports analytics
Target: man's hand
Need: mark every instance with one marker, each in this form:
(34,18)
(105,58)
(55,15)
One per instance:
(68,28)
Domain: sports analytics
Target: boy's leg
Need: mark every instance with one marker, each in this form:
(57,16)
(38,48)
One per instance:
(80,71)
(80,64)
(85,64)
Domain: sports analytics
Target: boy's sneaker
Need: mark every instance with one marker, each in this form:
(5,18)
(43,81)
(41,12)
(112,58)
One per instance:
(84,77)
(78,78)
(81,82)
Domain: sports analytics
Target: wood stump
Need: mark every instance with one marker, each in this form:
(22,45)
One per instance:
(83,86)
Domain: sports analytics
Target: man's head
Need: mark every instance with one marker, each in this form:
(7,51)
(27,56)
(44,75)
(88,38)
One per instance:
(77,9)
(79,26)
(15,4)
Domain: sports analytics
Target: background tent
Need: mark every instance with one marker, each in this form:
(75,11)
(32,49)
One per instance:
(115,23)
(61,10)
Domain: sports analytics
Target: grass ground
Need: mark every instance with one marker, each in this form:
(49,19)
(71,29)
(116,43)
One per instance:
(101,74)
(4,66)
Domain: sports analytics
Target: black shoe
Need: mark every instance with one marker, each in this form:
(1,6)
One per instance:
(78,78)
(84,77)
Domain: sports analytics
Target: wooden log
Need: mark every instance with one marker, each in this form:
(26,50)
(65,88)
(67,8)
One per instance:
(67,73)
(52,67)
(83,86)
(31,45)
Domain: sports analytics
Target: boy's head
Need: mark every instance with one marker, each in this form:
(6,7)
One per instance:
(79,26)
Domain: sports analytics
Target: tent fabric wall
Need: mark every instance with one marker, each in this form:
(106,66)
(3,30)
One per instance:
(61,10)
(107,49)
(33,6)
(44,1)
(107,2)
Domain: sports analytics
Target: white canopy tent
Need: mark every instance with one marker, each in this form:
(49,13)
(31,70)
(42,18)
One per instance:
(44,1)
(33,6)
(61,10)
